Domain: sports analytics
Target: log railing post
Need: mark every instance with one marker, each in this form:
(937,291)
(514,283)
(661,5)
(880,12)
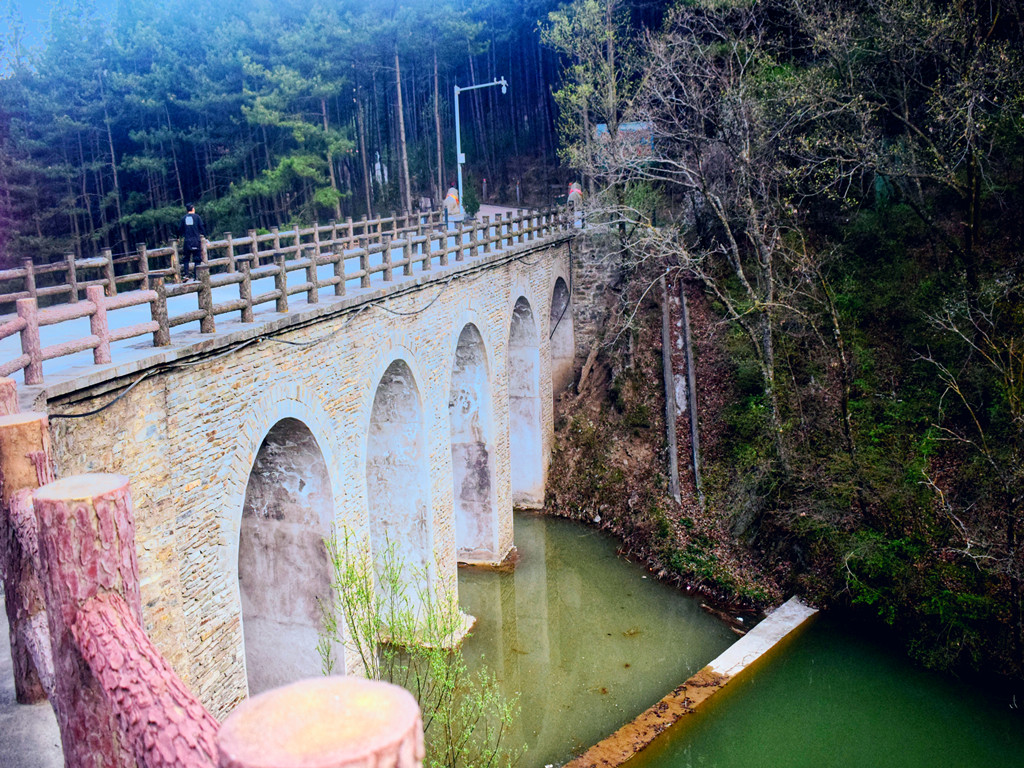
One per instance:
(175,261)
(339,271)
(158,311)
(254,250)
(459,230)
(108,272)
(72,278)
(277,243)
(407,256)
(30,277)
(231,252)
(25,464)
(245,288)
(474,246)
(350,237)
(207,323)
(487,234)
(98,325)
(386,257)
(364,261)
(28,310)
(280,280)
(140,249)
(313,292)
(87,548)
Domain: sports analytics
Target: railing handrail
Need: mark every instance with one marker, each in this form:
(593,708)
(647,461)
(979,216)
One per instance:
(420,244)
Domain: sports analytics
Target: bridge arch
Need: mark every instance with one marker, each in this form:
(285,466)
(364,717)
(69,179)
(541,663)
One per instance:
(471,421)
(526,439)
(397,471)
(281,486)
(561,336)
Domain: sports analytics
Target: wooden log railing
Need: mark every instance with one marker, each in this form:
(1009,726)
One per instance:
(369,244)
(117,700)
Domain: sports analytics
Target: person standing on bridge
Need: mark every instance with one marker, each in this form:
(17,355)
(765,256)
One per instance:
(193,231)
(452,206)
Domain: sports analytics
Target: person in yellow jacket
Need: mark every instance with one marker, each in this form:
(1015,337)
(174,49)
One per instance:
(452,204)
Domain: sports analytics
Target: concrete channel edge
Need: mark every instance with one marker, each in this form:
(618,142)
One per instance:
(635,736)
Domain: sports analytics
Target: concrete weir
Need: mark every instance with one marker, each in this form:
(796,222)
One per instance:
(633,737)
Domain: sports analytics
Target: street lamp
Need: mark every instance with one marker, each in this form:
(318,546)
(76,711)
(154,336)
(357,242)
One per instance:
(459,157)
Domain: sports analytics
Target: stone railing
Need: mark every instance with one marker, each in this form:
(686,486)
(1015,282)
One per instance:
(67,555)
(356,251)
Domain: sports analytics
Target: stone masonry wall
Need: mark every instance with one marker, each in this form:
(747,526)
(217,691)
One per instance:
(188,440)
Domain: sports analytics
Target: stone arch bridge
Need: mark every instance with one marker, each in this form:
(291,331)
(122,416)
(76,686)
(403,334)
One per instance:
(416,411)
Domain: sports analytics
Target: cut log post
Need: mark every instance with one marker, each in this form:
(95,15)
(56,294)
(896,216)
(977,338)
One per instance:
(87,547)
(162,722)
(25,464)
(332,722)
(8,397)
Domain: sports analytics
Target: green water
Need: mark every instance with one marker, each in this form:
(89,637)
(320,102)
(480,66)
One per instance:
(588,640)
(834,699)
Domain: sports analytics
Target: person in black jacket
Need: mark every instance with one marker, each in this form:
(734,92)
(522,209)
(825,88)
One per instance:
(193,231)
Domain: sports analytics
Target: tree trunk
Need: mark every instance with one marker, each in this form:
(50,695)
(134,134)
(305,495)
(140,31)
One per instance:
(330,159)
(403,175)
(440,189)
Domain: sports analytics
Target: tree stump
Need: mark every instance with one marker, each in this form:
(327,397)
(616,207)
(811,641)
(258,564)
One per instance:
(24,465)
(331,722)
(87,547)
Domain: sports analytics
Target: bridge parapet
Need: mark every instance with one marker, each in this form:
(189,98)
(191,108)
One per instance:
(353,256)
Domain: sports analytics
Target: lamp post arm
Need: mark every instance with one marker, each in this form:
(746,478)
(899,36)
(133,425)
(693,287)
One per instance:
(459,157)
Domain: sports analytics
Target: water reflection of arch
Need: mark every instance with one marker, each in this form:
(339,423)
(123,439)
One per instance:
(526,442)
(470,417)
(561,335)
(281,487)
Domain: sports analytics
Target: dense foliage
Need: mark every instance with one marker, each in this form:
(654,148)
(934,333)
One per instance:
(260,113)
(843,179)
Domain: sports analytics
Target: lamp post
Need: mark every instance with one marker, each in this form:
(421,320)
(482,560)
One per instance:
(459,157)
